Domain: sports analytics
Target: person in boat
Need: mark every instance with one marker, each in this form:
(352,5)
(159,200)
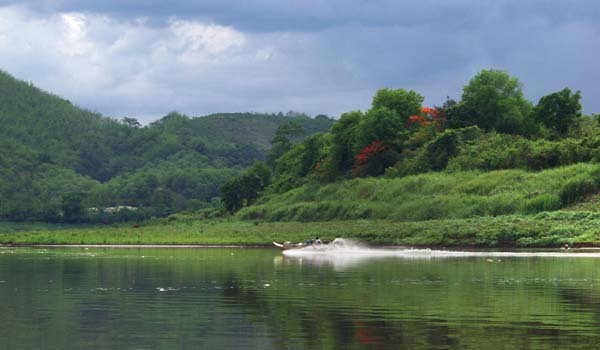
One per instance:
(308,241)
(318,241)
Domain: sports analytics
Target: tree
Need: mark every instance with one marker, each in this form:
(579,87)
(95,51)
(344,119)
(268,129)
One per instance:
(493,100)
(263,172)
(72,207)
(381,124)
(381,134)
(313,152)
(404,103)
(240,192)
(558,111)
(373,159)
(299,163)
(442,119)
(246,188)
(439,151)
(343,140)
(282,140)
(132,123)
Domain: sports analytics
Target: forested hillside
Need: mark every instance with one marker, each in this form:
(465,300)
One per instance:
(493,127)
(58,160)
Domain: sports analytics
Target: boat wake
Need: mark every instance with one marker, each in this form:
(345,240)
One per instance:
(344,252)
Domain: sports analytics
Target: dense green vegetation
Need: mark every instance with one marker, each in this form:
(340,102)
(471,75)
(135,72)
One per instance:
(57,160)
(491,154)
(539,230)
(430,196)
(399,173)
(454,146)
(492,127)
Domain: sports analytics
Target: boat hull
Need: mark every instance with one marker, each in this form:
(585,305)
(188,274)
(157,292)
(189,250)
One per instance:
(286,246)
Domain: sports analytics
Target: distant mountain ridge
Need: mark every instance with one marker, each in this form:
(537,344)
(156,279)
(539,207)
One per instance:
(45,139)
(255,127)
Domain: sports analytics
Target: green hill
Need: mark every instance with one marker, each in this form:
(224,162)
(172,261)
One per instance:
(253,128)
(50,148)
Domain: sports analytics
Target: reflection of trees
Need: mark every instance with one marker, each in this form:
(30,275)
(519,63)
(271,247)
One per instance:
(334,327)
(485,310)
(372,305)
(583,303)
(88,299)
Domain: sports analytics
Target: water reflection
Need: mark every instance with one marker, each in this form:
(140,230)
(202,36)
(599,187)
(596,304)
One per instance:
(262,299)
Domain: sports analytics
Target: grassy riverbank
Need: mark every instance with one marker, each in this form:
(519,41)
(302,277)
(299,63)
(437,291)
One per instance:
(547,229)
(437,195)
(13,227)
(509,208)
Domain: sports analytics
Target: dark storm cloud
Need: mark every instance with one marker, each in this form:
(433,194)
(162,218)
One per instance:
(145,58)
(310,15)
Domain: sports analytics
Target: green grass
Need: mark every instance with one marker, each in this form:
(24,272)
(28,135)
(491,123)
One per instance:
(512,208)
(547,229)
(432,196)
(11,227)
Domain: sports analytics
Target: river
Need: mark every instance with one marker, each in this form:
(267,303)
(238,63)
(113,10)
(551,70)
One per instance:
(232,298)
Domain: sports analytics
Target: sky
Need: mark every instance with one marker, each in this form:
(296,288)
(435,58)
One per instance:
(145,58)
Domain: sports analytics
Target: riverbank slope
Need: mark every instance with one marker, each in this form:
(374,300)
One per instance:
(547,229)
(505,208)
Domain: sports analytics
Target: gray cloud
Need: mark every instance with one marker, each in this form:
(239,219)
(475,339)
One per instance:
(146,58)
(310,15)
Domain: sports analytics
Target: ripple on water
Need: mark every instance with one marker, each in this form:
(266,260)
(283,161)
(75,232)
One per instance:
(203,299)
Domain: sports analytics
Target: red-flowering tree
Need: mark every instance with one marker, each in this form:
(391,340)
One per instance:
(428,117)
(373,159)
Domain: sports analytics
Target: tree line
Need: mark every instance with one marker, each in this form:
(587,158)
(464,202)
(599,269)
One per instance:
(492,126)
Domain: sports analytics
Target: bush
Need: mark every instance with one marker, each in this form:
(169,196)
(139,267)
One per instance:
(435,154)
(492,152)
(439,151)
(546,154)
(499,151)
(577,189)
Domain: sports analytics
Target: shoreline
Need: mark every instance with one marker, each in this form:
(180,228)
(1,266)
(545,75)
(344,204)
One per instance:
(33,245)
(547,230)
(265,246)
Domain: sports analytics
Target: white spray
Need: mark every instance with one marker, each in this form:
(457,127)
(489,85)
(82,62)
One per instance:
(341,247)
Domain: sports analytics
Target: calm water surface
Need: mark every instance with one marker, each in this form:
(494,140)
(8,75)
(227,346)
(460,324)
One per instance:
(72,298)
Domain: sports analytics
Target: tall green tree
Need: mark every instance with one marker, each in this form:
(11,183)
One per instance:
(558,111)
(404,103)
(343,141)
(380,137)
(493,100)
(381,124)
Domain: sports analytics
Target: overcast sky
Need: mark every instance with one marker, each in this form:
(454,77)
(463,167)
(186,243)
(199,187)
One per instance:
(144,58)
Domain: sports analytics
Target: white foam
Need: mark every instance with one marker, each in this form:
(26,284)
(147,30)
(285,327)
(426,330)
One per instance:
(345,252)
